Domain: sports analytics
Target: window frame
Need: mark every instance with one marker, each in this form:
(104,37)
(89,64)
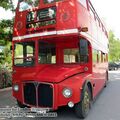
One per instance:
(33,57)
(51,57)
(70,48)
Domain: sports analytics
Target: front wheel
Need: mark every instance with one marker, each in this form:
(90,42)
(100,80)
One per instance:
(82,108)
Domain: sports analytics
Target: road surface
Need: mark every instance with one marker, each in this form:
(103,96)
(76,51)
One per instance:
(106,106)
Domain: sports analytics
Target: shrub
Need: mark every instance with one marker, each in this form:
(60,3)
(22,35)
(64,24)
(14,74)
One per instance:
(5,77)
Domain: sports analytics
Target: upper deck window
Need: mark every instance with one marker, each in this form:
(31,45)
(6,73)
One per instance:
(27,4)
(51,1)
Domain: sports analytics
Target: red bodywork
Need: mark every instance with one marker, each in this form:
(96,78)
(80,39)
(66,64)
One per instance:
(71,16)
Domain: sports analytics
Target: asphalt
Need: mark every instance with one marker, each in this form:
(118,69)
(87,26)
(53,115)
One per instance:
(105,107)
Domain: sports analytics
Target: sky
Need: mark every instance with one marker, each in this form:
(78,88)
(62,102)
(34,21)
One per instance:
(108,10)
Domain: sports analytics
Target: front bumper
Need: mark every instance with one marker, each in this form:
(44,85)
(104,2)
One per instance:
(44,95)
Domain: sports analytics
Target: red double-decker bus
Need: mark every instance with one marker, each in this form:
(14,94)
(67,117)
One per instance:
(60,54)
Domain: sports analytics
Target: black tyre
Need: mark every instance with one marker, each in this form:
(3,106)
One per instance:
(82,108)
(20,104)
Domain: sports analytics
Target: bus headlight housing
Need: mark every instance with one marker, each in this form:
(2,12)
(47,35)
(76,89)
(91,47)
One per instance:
(16,88)
(67,92)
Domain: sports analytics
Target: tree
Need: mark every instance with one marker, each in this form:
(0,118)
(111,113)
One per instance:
(6,28)
(7,4)
(114,48)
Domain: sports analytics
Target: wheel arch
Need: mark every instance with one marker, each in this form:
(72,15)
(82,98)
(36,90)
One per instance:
(89,85)
(90,88)
(80,108)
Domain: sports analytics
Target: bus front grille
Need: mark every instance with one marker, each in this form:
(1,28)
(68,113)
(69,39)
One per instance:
(43,97)
(30,94)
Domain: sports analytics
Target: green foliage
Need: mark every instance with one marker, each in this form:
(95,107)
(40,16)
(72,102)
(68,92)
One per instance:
(114,48)
(7,54)
(6,24)
(5,76)
(7,4)
(6,27)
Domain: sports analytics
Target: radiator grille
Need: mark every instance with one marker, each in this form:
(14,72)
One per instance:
(30,94)
(44,97)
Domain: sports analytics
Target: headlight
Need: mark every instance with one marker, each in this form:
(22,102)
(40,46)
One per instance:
(67,92)
(16,88)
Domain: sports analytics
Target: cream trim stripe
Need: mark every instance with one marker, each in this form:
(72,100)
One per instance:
(60,32)
(67,31)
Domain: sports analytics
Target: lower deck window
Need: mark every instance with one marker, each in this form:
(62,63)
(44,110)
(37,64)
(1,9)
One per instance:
(71,55)
(24,54)
(47,53)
